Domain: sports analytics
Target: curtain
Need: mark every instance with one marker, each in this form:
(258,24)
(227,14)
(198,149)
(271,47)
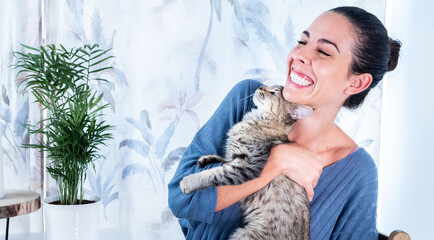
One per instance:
(174,62)
(406,177)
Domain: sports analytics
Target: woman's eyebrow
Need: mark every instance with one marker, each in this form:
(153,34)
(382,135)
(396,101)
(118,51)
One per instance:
(323,40)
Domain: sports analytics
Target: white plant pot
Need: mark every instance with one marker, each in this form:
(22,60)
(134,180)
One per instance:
(71,222)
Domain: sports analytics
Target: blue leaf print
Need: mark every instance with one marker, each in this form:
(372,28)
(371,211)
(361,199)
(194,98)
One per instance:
(109,179)
(273,44)
(133,122)
(5,97)
(289,33)
(7,115)
(102,191)
(120,77)
(97,29)
(138,146)
(144,128)
(2,129)
(134,169)
(173,157)
(92,182)
(144,118)
(106,192)
(257,14)
(21,117)
(202,50)
(163,141)
(98,185)
(106,200)
(137,168)
(110,199)
(218,9)
(239,26)
(255,11)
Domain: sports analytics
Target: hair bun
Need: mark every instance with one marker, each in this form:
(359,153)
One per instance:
(395,47)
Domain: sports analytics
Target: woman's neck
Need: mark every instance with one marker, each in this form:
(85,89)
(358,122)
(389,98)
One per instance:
(320,134)
(316,131)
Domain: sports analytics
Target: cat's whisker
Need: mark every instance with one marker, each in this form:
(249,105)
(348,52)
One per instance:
(245,98)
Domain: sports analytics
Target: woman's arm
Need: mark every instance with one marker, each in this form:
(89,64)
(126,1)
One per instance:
(295,161)
(209,140)
(298,163)
(228,195)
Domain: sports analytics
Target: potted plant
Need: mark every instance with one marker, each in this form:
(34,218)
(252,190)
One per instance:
(71,131)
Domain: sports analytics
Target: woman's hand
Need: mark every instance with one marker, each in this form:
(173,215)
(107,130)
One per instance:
(296,162)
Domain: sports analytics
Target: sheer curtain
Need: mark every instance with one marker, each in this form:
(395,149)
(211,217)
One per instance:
(175,61)
(406,166)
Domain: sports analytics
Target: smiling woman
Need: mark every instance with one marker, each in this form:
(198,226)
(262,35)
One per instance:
(325,69)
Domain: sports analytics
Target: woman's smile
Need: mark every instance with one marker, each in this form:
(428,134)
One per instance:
(299,79)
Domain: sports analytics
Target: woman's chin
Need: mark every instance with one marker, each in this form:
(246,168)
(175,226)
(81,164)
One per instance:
(290,95)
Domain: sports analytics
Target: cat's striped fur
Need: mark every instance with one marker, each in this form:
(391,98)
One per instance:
(281,209)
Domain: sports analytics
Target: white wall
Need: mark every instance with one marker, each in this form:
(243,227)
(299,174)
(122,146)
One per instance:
(406,199)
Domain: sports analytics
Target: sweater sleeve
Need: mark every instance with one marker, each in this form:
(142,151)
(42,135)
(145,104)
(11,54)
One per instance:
(358,218)
(210,139)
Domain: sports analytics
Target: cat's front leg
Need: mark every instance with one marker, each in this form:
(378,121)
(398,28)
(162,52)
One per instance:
(200,180)
(233,173)
(189,183)
(208,159)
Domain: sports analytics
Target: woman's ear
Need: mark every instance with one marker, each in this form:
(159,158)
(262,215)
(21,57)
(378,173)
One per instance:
(358,83)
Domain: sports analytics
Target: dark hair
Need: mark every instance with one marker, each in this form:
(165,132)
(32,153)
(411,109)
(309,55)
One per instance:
(374,51)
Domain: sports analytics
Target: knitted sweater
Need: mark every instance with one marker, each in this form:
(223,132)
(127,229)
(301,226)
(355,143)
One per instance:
(344,203)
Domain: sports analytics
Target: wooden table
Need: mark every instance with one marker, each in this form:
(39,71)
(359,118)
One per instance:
(16,203)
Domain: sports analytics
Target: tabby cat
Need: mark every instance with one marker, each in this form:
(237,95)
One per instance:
(281,209)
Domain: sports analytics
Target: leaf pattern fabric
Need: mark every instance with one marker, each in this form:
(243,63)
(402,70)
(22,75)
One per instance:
(174,63)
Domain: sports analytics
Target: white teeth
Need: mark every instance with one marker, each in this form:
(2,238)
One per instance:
(299,80)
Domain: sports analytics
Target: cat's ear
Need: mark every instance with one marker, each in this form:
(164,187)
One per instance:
(300,111)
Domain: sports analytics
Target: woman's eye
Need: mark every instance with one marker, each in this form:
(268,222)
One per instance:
(301,42)
(324,53)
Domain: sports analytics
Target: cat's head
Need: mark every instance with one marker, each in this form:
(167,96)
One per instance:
(270,99)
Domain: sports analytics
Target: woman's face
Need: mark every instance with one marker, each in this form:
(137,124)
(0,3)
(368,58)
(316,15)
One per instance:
(319,66)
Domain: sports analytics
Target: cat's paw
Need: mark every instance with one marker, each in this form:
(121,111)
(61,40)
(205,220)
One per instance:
(205,160)
(187,184)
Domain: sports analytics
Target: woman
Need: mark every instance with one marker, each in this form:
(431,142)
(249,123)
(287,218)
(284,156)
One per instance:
(342,55)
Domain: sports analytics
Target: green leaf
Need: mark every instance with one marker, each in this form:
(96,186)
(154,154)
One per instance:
(101,69)
(73,129)
(28,47)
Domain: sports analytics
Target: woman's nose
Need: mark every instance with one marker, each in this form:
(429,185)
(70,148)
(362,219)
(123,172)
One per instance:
(302,55)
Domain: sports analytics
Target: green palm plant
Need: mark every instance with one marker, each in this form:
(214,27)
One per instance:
(72,130)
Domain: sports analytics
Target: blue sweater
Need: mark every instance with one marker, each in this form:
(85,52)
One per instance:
(343,207)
